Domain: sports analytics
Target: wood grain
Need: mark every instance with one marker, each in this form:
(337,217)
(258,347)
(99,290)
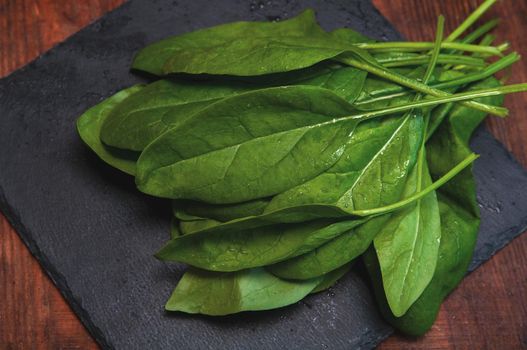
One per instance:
(488,310)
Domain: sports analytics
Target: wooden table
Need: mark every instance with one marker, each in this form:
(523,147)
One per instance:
(488,310)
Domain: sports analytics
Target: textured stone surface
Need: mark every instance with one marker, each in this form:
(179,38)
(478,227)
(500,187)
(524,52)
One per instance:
(95,234)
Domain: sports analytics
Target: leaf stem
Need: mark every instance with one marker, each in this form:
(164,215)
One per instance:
(463,96)
(424,46)
(470,20)
(476,34)
(480,31)
(429,70)
(436,50)
(440,182)
(391,62)
(490,70)
(416,85)
(487,39)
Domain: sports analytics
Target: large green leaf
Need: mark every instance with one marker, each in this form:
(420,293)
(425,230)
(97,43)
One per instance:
(376,162)
(89,127)
(223,293)
(331,255)
(376,147)
(153,57)
(164,104)
(248,56)
(248,146)
(139,119)
(302,213)
(408,244)
(246,49)
(371,173)
(459,219)
(241,249)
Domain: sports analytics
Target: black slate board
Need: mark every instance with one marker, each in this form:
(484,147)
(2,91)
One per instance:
(95,234)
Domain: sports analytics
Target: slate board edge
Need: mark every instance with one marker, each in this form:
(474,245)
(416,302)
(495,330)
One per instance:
(58,279)
(523,225)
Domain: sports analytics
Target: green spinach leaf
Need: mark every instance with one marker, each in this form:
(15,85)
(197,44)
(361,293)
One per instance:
(223,293)
(248,146)
(374,165)
(153,57)
(407,246)
(143,116)
(164,104)
(372,172)
(331,255)
(237,250)
(459,219)
(261,55)
(89,128)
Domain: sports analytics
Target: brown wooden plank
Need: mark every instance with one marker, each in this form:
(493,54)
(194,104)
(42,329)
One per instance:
(487,311)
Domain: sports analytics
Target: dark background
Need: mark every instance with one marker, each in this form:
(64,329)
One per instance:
(487,311)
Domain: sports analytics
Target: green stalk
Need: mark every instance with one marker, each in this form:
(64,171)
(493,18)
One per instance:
(436,50)
(480,31)
(489,71)
(418,86)
(470,20)
(473,36)
(469,78)
(487,39)
(429,70)
(402,203)
(424,46)
(432,127)
(422,59)
(504,46)
(463,96)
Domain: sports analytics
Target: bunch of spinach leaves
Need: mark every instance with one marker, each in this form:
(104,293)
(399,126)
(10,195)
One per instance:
(289,151)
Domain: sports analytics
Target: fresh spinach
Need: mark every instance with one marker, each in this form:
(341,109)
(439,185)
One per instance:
(222,143)
(373,166)
(223,293)
(225,155)
(235,250)
(459,215)
(282,171)
(331,255)
(89,127)
(408,244)
(371,173)
(142,117)
(152,58)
